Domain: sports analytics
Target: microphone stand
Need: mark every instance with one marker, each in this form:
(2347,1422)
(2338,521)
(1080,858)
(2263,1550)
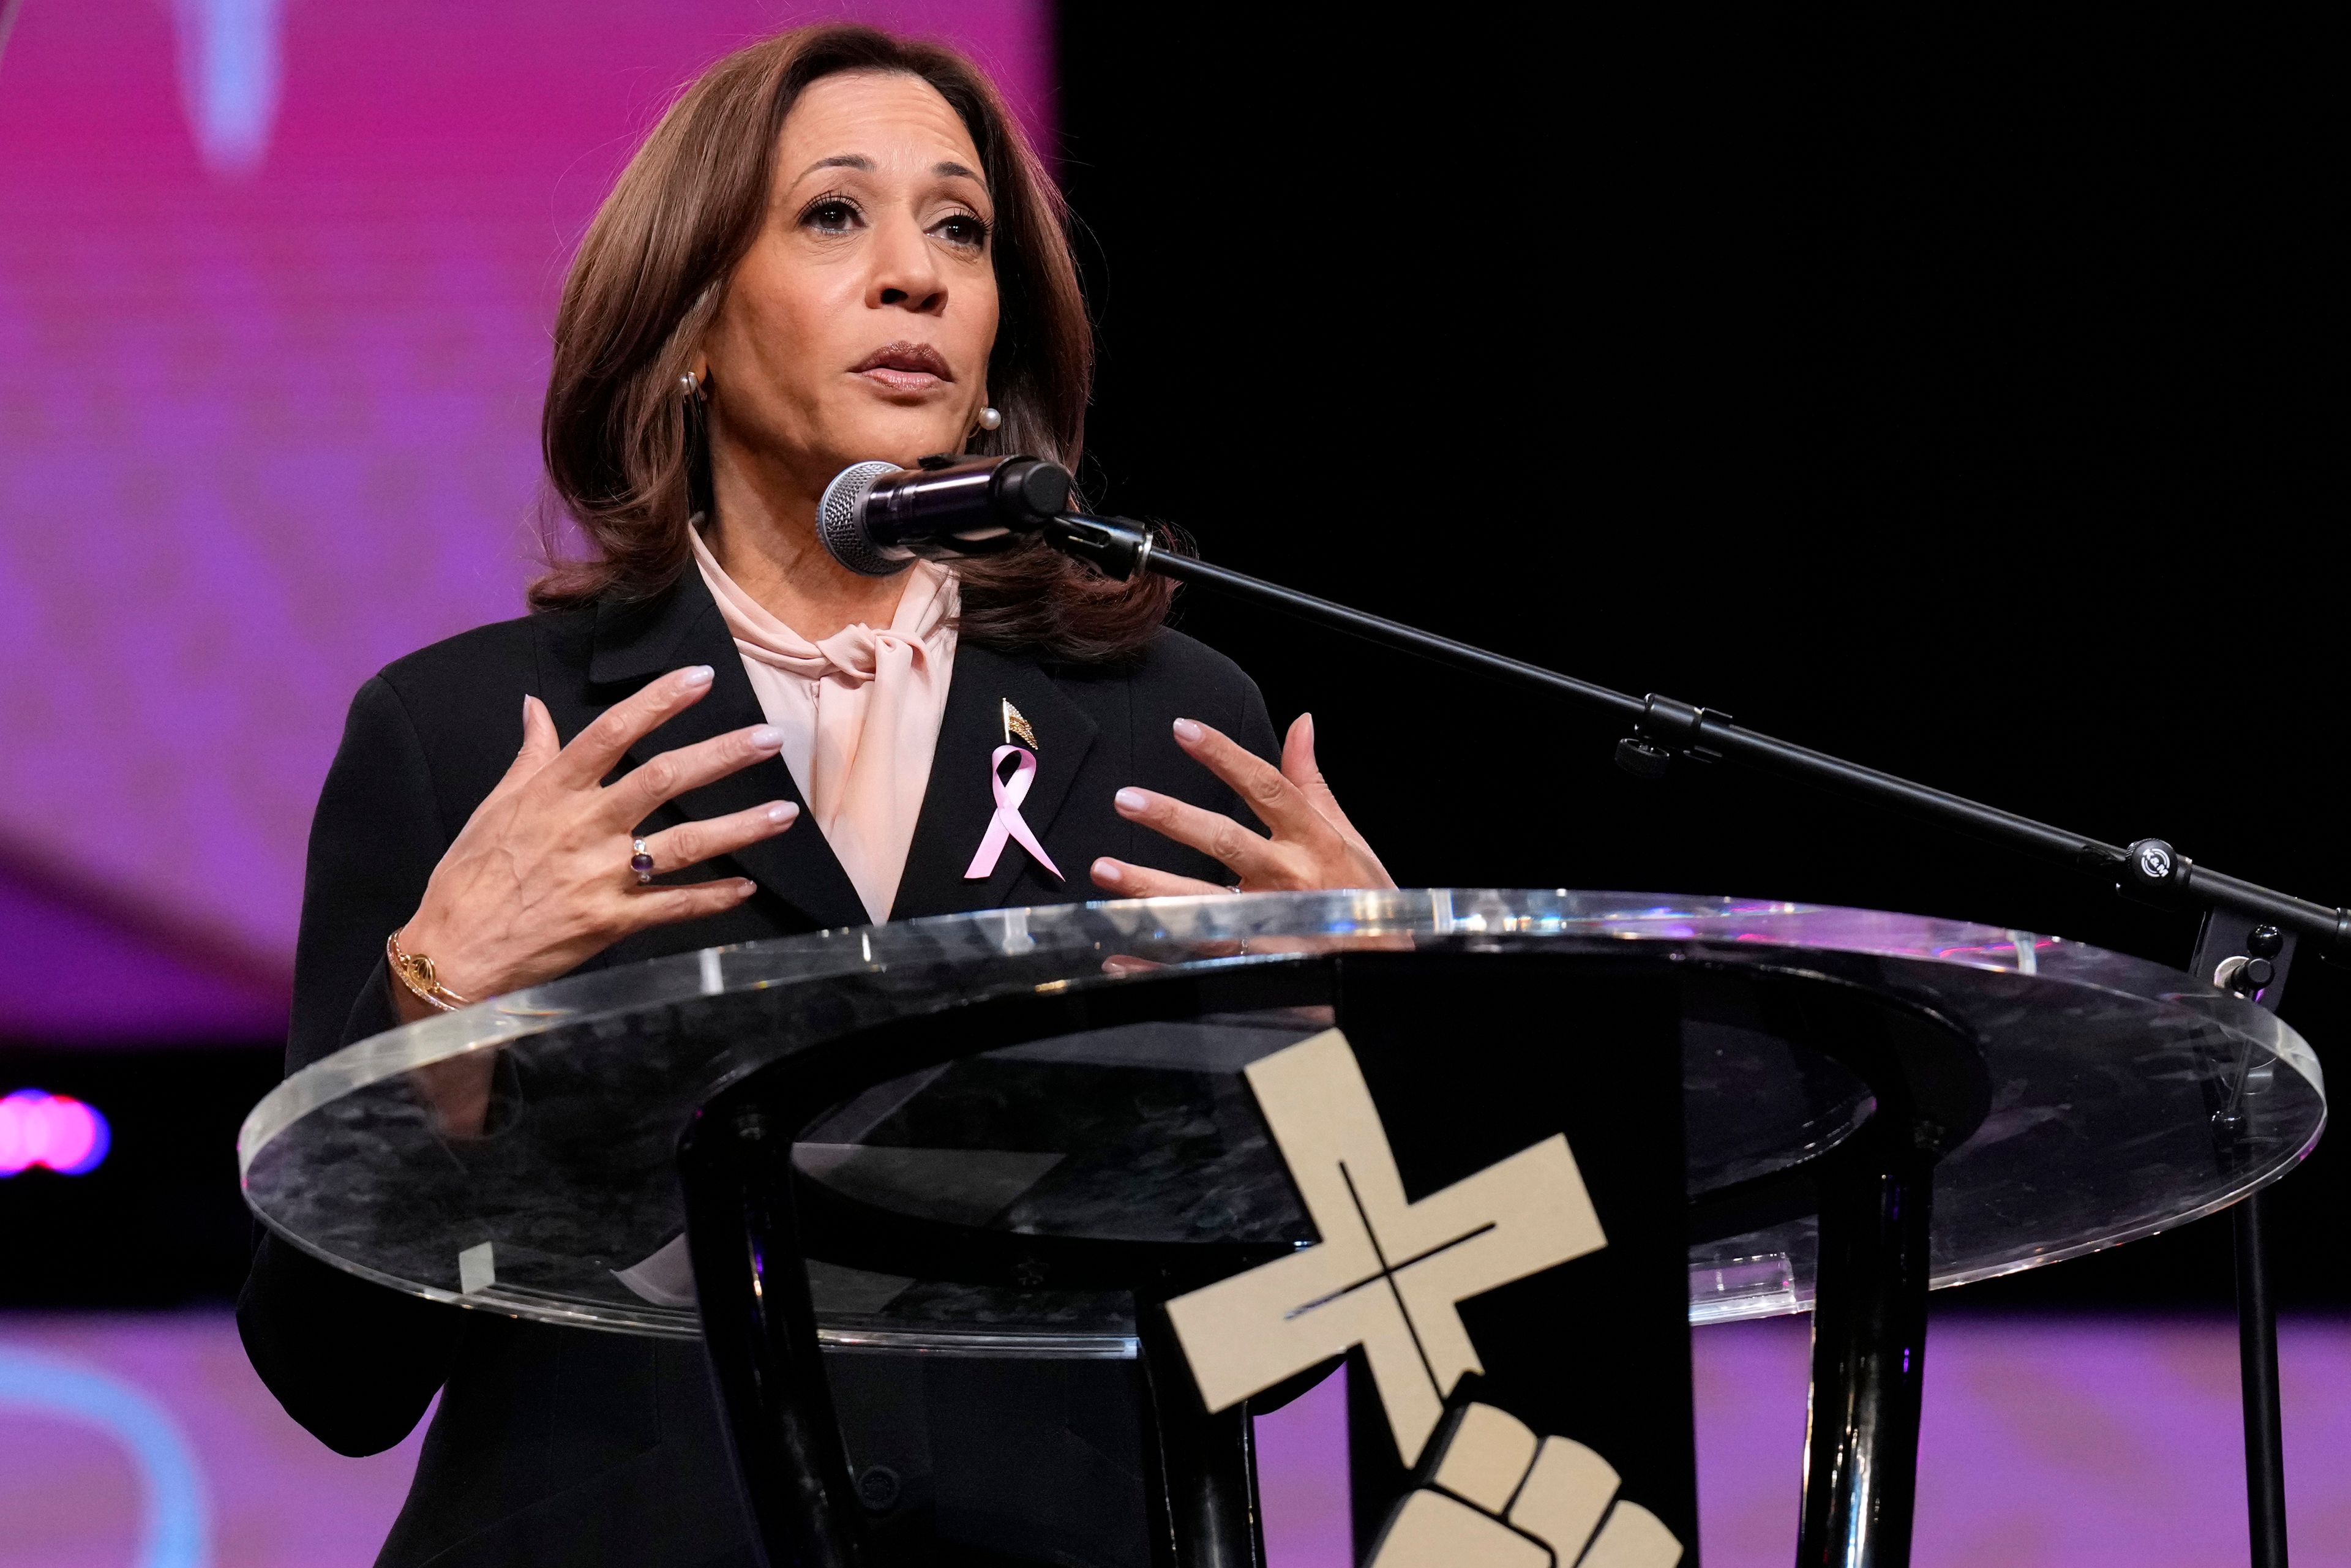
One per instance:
(2247,937)
(1665,729)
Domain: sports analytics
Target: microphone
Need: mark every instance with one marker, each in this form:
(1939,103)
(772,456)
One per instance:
(876,517)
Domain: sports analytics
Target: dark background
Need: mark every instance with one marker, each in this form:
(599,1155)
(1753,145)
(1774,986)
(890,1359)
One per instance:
(1961,397)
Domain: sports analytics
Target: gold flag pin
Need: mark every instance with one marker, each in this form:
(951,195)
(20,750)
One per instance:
(1015,725)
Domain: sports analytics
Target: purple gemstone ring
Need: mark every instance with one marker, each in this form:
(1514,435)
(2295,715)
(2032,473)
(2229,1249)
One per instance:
(641,862)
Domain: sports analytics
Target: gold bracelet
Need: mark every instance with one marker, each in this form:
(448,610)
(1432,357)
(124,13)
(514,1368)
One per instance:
(416,972)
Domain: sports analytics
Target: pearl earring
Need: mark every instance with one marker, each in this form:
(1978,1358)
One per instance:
(989,419)
(690,384)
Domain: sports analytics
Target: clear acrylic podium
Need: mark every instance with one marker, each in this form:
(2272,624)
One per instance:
(2085,1099)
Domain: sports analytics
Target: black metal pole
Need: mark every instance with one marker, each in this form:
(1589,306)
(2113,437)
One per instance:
(1869,1346)
(758,1326)
(1199,1470)
(2258,1364)
(2252,959)
(1665,728)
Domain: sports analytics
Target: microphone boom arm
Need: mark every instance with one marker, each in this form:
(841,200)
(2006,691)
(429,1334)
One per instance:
(1664,728)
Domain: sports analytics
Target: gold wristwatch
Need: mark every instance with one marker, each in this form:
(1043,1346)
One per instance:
(415,971)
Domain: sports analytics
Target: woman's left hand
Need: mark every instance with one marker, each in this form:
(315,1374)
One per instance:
(1312,844)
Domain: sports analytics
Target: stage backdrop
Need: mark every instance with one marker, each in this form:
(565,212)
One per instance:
(277,278)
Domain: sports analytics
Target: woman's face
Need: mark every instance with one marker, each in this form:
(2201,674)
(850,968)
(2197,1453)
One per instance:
(858,324)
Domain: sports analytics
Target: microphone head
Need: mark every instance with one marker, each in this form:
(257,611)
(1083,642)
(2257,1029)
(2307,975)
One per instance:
(841,520)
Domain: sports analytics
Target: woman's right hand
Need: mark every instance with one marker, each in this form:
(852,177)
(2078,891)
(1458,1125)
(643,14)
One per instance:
(539,881)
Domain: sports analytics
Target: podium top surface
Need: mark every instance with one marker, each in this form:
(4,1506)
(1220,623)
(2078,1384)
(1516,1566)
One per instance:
(519,1157)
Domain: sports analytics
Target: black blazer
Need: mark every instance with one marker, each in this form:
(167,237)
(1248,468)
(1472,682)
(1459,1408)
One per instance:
(565,1446)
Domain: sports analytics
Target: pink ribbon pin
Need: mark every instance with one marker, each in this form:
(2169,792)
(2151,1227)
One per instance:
(1007,822)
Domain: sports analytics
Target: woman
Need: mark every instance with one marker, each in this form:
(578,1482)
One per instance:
(834,248)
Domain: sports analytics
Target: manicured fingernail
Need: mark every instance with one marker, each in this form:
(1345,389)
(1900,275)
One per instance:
(695,676)
(1132,800)
(1308,719)
(782,812)
(767,737)
(1107,871)
(1187,731)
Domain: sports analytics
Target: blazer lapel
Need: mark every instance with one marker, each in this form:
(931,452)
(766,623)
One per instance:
(634,644)
(957,804)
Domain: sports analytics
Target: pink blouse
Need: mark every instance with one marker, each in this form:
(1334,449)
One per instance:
(859,712)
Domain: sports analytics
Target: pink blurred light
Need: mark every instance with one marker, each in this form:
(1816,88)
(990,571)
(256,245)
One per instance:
(52,1130)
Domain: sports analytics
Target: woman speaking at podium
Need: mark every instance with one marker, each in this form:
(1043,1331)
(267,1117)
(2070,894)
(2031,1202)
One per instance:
(835,247)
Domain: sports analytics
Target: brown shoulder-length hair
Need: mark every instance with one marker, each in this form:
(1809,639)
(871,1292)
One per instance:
(626,454)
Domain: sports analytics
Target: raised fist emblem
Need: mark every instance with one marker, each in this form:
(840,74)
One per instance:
(1495,1497)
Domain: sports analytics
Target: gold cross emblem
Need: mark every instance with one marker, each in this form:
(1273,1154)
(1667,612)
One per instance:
(1390,1274)
(1015,725)
(1387,1273)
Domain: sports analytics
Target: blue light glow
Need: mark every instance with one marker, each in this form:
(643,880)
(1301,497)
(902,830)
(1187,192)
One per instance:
(229,79)
(175,1516)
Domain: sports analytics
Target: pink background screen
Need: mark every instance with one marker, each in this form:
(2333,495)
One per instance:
(275,286)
